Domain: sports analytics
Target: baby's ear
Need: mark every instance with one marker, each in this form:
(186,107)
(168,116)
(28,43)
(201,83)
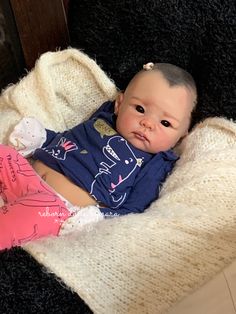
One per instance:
(181,138)
(118,102)
(185,134)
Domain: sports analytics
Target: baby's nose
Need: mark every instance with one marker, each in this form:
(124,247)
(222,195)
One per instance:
(147,123)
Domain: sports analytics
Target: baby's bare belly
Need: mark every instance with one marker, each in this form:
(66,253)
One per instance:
(62,185)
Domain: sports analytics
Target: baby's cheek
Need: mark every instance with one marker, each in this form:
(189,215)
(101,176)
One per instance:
(168,141)
(124,123)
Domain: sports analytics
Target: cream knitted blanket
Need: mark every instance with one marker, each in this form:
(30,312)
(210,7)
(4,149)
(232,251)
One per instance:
(140,263)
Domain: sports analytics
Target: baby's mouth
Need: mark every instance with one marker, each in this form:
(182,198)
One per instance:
(140,136)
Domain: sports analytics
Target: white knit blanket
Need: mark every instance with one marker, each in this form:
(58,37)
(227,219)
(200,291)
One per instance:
(147,262)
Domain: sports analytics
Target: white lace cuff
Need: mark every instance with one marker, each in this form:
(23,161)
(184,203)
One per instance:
(81,218)
(28,135)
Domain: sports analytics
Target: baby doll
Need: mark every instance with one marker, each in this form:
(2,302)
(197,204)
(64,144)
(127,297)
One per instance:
(117,160)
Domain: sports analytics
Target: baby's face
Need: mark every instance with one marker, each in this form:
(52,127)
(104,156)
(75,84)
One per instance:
(151,115)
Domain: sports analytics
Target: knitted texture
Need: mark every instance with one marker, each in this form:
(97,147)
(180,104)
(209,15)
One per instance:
(145,263)
(54,92)
(137,263)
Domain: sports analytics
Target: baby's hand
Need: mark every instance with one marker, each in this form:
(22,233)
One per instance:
(28,135)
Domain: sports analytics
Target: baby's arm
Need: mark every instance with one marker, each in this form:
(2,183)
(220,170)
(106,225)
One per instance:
(145,190)
(28,135)
(138,200)
(136,203)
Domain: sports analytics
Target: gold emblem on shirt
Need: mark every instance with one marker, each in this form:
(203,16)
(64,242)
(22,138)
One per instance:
(103,128)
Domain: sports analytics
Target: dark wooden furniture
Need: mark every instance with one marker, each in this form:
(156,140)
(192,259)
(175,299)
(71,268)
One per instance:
(29,28)
(11,56)
(41,25)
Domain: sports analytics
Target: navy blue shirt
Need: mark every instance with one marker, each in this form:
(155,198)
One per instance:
(96,158)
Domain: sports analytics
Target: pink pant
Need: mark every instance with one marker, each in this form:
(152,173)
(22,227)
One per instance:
(31,208)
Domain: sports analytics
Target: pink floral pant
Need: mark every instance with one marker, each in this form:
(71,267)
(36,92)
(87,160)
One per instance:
(29,208)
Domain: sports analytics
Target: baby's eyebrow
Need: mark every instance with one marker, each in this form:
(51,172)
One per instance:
(137,98)
(170,116)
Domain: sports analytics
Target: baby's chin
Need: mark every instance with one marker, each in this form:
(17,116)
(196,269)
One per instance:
(142,145)
(152,150)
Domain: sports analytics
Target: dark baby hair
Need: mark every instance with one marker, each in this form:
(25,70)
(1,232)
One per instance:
(175,75)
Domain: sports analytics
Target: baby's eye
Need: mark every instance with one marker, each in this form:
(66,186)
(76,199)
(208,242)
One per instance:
(165,123)
(139,108)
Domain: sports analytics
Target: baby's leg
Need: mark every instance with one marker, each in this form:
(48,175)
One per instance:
(31,209)
(16,175)
(31,217)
